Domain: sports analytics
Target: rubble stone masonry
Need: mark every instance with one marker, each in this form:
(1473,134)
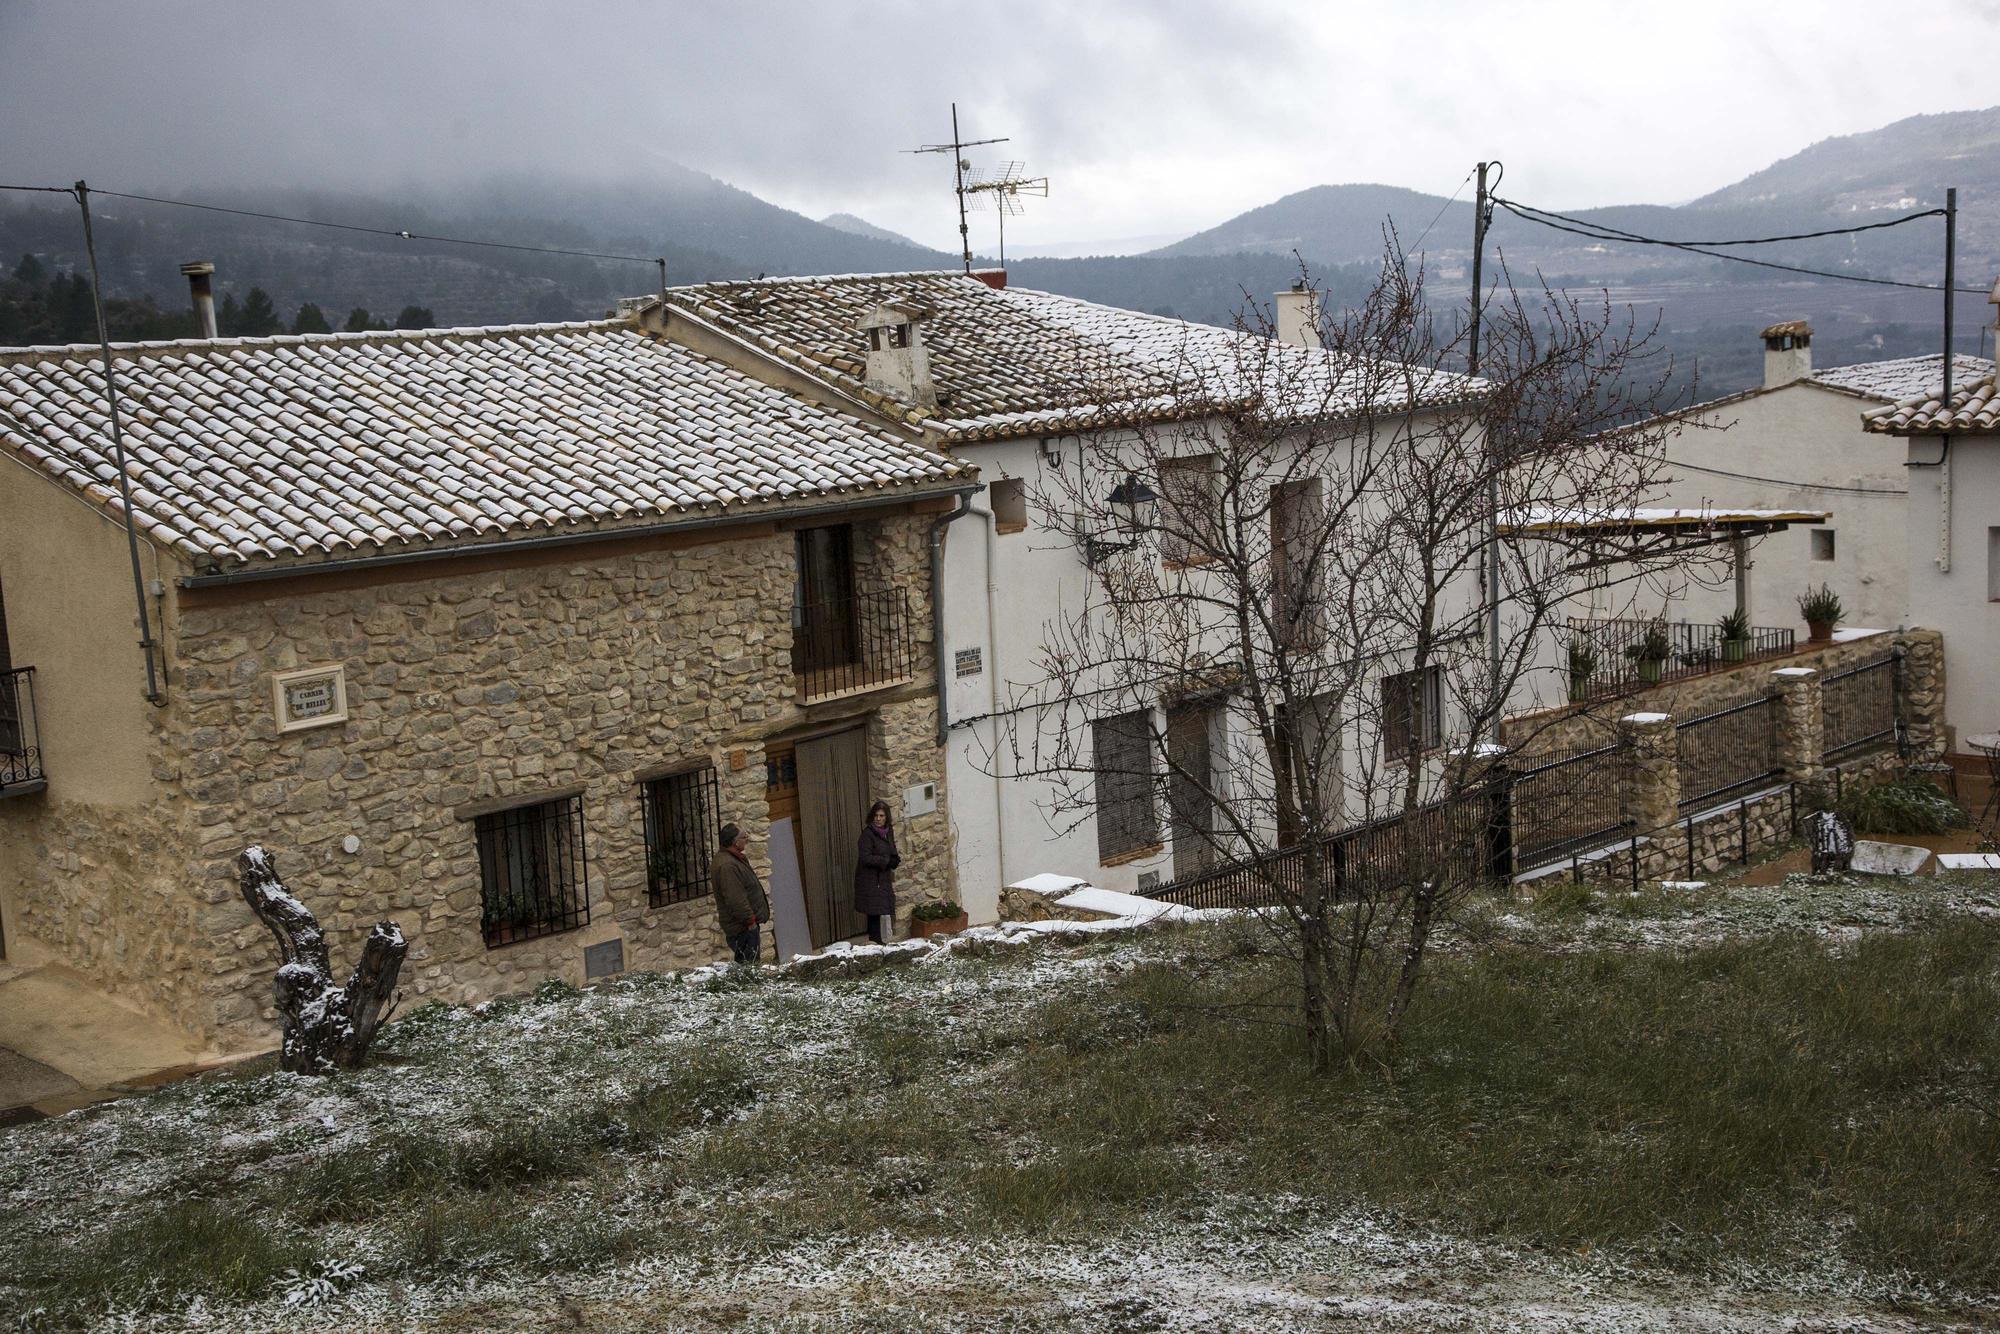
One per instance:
(465,691)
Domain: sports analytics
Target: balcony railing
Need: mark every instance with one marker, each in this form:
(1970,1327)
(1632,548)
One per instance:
(845,646)
(1693,649)
(20,735)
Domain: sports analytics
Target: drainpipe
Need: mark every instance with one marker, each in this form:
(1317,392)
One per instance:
(991,530)
(937,604)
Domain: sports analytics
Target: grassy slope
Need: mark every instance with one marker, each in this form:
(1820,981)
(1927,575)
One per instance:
(1751,1111)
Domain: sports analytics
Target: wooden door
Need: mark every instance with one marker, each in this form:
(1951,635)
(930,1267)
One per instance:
(823,614)
(1190,788)
(833,805)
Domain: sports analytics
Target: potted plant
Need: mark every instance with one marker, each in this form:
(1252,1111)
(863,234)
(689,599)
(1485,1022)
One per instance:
(939,918)
(1651,652)
(1582,666)
(1821,609)
(1735,629)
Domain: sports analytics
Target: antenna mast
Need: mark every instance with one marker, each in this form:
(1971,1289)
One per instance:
(1006,190)
(960,166)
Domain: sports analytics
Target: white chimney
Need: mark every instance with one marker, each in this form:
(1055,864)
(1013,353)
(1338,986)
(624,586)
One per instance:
(199,272)
(1298,316)
(1787,353)
(897,363)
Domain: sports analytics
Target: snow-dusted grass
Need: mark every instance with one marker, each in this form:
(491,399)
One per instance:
(1735,1126)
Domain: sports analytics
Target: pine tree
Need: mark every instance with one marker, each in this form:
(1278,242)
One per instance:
(358,321)
(30,271)
(229,316)
(415,317)
(259,317)
(310,319)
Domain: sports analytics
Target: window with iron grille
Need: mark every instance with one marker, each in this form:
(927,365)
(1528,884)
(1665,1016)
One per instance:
(1412,710)
(1122,763)
(683,814)
(531,871)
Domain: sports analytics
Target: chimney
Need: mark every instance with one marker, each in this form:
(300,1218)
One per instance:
(198,274)
(1787,353)
(994,278)
(1298,316)
(897,363)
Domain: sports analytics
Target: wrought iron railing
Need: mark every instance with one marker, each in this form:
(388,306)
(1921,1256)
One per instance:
(1569,803)
(1858,708)
(841,646)
(1461,838)
(1727,754)
(20,732)
(1693,648)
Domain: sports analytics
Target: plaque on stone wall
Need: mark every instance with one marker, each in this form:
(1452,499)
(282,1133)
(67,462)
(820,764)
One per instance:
(603,960)
(311,697)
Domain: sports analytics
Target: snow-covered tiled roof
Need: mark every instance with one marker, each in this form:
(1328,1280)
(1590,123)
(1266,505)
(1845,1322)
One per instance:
(327,446)
(1902,377)
(1011,361)
(1975,410)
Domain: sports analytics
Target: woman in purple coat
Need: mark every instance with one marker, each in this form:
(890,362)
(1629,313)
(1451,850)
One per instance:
(874,884)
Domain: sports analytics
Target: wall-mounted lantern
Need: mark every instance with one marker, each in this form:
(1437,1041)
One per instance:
(1133,508)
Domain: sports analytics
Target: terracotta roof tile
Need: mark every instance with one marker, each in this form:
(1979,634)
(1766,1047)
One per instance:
(333,445)
(1974,410)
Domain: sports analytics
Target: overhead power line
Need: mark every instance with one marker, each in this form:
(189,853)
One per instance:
(1601,232)
(1785,481)
(401,234)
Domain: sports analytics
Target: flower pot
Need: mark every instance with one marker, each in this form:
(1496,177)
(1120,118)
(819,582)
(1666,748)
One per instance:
(1652,669)
(1732,650)
(1821,631)
(938,926)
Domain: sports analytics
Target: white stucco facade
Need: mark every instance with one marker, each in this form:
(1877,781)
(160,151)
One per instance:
(1952,554)
(1796,447)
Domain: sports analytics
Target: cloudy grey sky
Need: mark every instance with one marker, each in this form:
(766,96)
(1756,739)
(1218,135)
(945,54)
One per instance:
(1151,116)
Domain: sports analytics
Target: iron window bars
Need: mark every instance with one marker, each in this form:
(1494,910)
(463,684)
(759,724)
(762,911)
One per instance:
(532,871)
(683,819)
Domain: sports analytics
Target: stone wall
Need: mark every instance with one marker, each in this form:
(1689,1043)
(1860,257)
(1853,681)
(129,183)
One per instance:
(1671,844)
(1580,726)
(468,691)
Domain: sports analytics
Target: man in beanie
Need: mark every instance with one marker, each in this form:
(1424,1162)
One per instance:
(739,896)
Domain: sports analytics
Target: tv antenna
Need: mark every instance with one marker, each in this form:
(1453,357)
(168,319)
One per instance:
(960,166)
(1005,187)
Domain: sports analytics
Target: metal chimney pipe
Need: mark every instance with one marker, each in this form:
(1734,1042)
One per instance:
(198,274)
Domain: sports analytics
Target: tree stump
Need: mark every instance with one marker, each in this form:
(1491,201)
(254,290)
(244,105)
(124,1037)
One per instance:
(327,1028)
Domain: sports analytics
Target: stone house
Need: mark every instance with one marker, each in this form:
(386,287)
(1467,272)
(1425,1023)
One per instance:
(482,630)
(1041,389)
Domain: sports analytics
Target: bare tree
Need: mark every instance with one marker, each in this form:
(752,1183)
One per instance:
(1288,650)
(326,1027)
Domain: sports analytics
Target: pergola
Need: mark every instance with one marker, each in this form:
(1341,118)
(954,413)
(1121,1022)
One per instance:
(1661,531)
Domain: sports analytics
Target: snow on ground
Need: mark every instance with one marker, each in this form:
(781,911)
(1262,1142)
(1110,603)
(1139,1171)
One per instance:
(1207,1264)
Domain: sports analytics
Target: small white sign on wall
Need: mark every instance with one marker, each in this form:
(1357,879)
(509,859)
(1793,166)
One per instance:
(311,697)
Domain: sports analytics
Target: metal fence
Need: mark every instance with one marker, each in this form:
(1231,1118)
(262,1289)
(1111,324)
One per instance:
(1466,837)
(848,644)
(1693,649)
(1569,803)
(1858,708)
(1727,754)
(20,730)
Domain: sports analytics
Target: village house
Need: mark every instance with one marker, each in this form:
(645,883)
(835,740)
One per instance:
(1951,550)
(486,631)
(1794,444)
(1029,384)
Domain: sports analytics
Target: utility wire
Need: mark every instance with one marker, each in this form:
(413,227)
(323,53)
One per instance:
(1441,212)
(399,233)
(1783,481)
(1593,232)
(1755,240)
(41,189)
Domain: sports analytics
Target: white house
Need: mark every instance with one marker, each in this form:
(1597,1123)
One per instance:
(1951,548)
(993,374)
(1794,444)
